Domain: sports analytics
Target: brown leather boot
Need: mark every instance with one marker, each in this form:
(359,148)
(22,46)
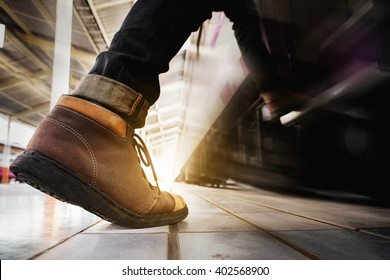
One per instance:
(86,155)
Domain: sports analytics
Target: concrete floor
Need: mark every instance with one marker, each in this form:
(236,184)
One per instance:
(234,222)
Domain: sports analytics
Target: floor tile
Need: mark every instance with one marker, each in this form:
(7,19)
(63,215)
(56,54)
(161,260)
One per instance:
(34,225)
(378,218)
(26,212)
(340,244)
(199,205)
(213,222)
(295,203)
(283,221)
(108,228)
(31,222)
(234,246)
(24,248)
(385,232)
(243,207)
(111,247)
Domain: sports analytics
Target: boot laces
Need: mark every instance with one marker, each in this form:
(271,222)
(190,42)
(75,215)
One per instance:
(145,158)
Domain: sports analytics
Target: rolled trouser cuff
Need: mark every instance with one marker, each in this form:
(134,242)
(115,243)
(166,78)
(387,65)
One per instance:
(115,96)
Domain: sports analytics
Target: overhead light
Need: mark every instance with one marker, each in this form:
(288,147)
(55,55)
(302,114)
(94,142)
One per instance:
(2,35)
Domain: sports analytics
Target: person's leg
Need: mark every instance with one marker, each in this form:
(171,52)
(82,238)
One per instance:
(85,151)
(260,62)
(382,14)
(150,36)
(248,33)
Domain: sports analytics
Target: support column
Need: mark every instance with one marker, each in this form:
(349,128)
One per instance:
(7,148)
(6,154)
(2,35)
(62,51)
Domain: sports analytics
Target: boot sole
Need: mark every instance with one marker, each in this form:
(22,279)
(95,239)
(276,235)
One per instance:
(59,182)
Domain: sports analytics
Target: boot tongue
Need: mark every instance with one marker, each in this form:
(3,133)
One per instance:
(144,156)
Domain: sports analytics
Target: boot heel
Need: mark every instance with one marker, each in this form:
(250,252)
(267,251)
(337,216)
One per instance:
(42,173)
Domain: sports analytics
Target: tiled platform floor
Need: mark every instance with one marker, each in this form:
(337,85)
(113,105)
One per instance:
(235,222)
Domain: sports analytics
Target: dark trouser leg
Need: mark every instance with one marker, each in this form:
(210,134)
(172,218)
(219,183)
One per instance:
(247,30)
(152,33)
(382,13)
(125,78)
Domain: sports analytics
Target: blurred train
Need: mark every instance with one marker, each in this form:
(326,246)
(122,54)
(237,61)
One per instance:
(336,53)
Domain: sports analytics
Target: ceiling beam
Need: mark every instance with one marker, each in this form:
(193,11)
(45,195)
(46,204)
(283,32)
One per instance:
(165,133)
(99,21)
(172,141)
(85,29)
(21,45)
(10,83)
(48,45)
(34,110)
(109,4)
(15,100)
(45,14)
(10,12)
(35,84)
(167,139)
